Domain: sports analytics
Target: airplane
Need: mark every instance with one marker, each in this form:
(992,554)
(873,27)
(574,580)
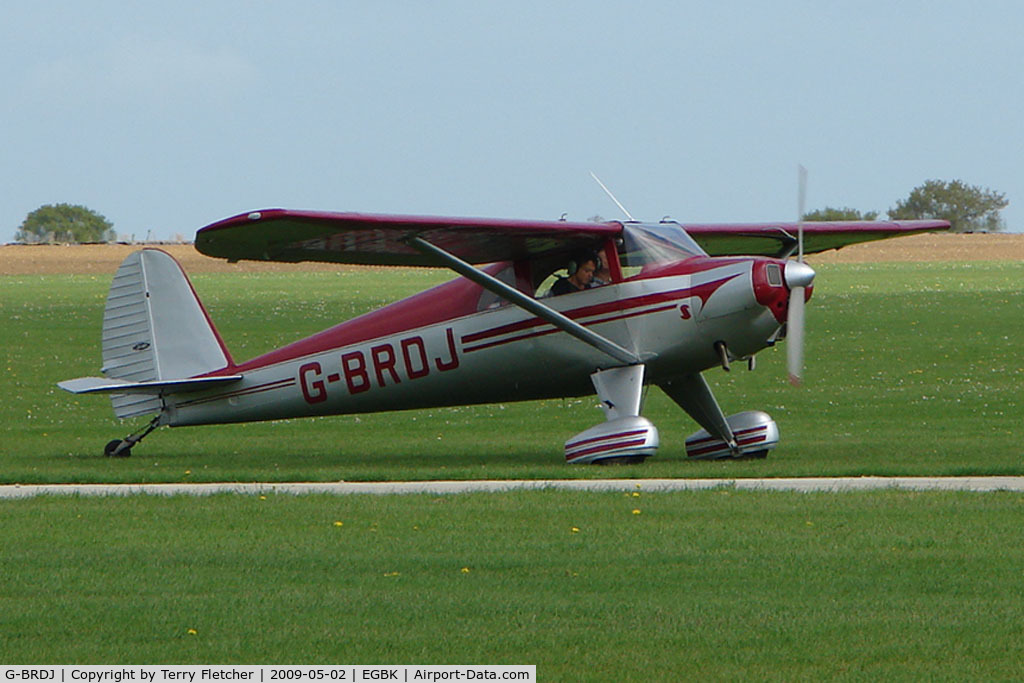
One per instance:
(679,300)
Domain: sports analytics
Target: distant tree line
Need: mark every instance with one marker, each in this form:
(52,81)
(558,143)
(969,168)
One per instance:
(65,223)
(968,208)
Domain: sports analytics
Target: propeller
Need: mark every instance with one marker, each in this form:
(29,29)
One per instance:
(799,277)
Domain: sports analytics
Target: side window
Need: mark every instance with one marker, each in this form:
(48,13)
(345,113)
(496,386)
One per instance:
(504,272)
(630,271)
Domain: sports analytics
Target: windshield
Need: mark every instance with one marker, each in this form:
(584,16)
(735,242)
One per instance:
(646,244)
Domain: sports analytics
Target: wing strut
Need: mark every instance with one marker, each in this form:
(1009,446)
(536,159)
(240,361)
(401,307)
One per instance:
(527,303)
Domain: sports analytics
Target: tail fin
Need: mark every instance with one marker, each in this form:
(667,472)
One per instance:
(155,330)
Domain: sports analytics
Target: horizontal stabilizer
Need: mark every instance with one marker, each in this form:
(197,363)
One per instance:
(94,385)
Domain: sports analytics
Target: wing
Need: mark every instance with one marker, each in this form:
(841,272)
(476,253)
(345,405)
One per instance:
(779,239)
(374,239)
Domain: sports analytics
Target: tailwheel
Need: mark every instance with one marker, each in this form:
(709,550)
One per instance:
(122,448)
(114,449)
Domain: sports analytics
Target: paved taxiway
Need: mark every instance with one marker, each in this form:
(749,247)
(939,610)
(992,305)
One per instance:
(803,484)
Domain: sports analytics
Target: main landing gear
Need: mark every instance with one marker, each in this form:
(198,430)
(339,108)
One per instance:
(625,436)
(122,448)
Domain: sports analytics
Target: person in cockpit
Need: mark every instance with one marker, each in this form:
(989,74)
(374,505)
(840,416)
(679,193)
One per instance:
(581,272)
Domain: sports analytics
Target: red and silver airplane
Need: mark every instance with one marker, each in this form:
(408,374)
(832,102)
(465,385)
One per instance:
(679,299)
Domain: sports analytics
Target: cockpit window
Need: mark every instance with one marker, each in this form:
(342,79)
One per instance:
(504,272)
(647,244)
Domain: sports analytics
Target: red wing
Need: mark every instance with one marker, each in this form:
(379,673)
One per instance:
(374,239)
(779,239)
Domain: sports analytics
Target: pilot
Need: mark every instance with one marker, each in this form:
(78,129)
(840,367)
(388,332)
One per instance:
(581,272)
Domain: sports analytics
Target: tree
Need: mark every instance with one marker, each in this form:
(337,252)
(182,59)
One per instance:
(843,214)
(966,207)
(65,223)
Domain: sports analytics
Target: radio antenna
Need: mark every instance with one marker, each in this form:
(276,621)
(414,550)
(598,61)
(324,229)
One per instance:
(609,193)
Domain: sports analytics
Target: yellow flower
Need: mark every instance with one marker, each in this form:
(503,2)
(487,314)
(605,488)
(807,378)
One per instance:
(465,570)
(636,494)
(263,497)
(575,529)
(636,512)
(193,632)
(391,574)
(339,523)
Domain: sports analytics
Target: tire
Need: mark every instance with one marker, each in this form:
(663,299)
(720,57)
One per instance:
(111,446)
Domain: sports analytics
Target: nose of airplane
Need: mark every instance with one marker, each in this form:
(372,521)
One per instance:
(799,278)
(798,275)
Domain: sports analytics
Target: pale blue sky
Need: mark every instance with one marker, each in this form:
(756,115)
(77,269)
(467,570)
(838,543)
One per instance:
(168,116)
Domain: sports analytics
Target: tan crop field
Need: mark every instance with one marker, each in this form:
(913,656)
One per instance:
(90,259)
(104,258)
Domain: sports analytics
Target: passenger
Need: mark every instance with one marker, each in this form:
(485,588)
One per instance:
(581,272)
(602,276)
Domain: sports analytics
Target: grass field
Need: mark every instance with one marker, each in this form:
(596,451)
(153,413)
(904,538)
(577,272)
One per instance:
(912,369)
(720,584)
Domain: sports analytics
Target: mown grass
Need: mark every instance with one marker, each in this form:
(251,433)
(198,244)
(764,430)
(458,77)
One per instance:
(735,585)
(912,369)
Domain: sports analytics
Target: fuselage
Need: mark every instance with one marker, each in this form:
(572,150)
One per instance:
(457,344)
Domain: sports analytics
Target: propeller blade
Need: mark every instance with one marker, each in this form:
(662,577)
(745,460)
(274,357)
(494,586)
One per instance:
(799,277)
(795,336)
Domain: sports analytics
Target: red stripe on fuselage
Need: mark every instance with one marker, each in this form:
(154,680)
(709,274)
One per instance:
(258,389)
(704,291)
(553,330)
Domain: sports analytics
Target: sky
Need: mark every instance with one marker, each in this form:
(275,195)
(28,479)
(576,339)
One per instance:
(165,117)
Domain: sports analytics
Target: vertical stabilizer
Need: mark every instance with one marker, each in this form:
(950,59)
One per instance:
(155,329)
